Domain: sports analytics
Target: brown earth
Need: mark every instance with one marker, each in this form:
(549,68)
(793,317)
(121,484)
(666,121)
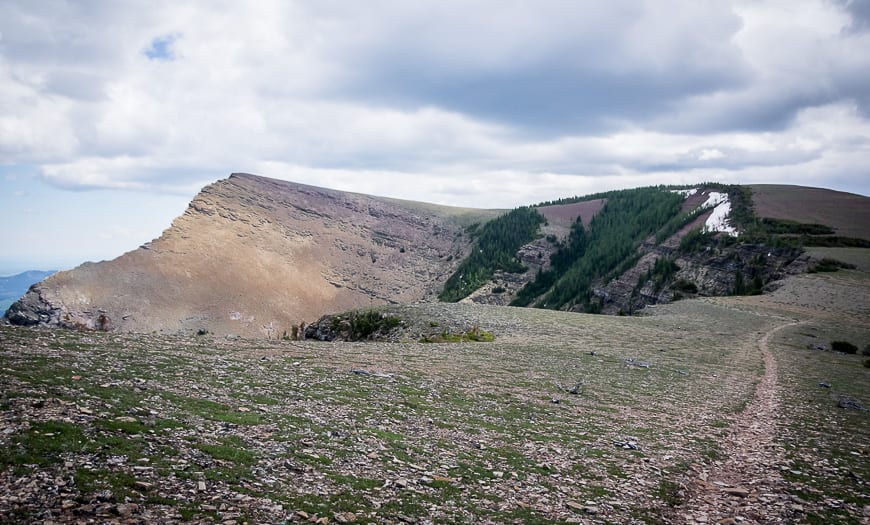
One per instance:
(564,215)
(847,213)
(254,256)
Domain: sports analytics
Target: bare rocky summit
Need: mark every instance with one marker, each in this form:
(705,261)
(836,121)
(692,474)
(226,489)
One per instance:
(254,256)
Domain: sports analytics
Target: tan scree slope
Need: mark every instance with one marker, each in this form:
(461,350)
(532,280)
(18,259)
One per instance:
(254,256)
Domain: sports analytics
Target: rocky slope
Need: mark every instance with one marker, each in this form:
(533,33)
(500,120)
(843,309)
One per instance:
(664,271)
(254,256)
(14,286)
(259,257)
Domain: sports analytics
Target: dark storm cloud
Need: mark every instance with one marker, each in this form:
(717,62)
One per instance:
(544,99)
(859,10)
(546,68)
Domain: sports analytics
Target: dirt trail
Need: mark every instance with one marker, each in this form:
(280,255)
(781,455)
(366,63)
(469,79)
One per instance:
(745,486)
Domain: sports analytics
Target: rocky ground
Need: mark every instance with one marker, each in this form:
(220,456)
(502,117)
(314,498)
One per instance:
(705,412)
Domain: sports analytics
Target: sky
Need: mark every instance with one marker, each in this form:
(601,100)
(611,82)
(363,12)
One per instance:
(114,114)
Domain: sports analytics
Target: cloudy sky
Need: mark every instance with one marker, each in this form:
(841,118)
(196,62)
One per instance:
(114,114)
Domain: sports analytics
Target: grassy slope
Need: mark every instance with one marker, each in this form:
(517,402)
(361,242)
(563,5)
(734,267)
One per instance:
(461,430)
(847,213)
(827,448)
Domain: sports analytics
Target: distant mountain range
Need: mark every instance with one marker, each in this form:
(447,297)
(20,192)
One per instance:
(14,286)
(259,257)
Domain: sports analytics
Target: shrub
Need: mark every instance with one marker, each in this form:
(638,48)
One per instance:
(364,324)
(685,286)
(498,289)
(830,265)
(474,335)
(844,346)
(866,350)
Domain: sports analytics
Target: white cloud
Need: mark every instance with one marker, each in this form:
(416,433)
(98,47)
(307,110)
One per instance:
(710,154)
(462,102)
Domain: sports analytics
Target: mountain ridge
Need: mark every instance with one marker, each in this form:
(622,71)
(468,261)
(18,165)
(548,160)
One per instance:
(254,256)
(260,257)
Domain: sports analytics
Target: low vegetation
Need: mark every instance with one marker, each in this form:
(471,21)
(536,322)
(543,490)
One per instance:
(844,346)
(474,335)
(363,325)
(559,417)
(494,249)
(828,264)
(606,251)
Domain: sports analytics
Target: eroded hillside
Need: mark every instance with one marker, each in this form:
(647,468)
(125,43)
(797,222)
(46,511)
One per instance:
(255,256)
(621,251)
(259,257)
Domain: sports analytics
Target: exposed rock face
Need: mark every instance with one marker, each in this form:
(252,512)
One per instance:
(713,273)
(254,256)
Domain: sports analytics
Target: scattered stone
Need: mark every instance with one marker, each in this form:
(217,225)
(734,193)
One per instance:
(345,517)
(628,444)
(631,361)
(740,492)
(847,402)
(126,510)
(825,385)
(573,505)
(361,372)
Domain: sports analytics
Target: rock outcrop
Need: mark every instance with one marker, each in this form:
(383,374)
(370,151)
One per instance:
(255,257)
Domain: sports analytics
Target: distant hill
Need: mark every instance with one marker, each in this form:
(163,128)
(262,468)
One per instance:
(619,251)
(847,213)
(255,257)
(258,257)
(14,286)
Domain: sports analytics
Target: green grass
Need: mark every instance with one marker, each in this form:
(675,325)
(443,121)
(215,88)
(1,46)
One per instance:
(462,412)
(230,449)
(44,444)
(216,411)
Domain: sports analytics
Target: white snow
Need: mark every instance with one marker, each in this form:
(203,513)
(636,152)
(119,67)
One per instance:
(714,198)
(718,220)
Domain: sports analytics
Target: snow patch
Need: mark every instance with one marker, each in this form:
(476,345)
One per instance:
(686,193)
(718,220)
(714,198)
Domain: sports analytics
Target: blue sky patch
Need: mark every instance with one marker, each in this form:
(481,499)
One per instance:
(161,48)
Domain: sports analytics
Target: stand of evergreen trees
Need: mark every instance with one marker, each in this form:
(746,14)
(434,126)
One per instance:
(628,217)
(494,249)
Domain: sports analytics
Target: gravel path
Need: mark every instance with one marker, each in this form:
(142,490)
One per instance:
(745,485)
